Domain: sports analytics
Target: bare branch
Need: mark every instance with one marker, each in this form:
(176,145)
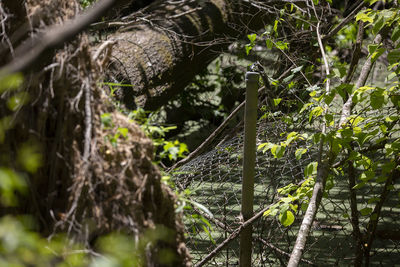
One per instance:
(356,53)
(324,166)
(354,215)
(360,82)
(360,4)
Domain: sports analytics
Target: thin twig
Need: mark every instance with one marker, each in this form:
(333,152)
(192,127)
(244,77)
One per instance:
(102,47)
(88,122)
(185,13)
(360,4)
(356,53)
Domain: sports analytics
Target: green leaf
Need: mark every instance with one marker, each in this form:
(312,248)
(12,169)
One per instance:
(281,45)
(395,99)
(9,183)
(272,211)
(329,119)
(297,69)
(344,88)
(268,212)
(294,207)
(276,26)
(288,78)
(394,56)
(304,206)
(389,166)
(286,218)
(360,185)
(378,25)
(287,189)
(201,207)
(371,2)
(106,120)
(305,106)
(377,54)
(11,82)
(269,43)
(366,211)
(377,98)
(277,101)
(123,131)
(373,200)
(17,101)
(248,48)
(367,175)
(265,146)
(311,169)
(277,151)
(316,112)
(299,152)
(374,216)
(372,48)
(290,137)
(395,34)
(364,17)
(252,37)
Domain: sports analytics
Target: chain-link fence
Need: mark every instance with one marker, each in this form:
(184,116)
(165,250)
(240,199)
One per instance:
(214,179)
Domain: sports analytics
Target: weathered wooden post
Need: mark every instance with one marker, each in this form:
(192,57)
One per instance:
(249,156)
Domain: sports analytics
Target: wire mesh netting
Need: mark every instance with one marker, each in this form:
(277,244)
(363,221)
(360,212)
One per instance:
(214,180)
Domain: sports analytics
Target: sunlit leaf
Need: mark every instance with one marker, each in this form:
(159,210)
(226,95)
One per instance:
(286,218)
(277,151)
(252,37)
(299,152)
(277,101)
(364,17)
(311,169)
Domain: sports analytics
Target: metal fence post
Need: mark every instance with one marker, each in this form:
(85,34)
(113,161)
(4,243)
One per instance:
(249,156)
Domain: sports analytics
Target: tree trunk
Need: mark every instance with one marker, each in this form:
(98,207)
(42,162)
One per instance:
(166,45)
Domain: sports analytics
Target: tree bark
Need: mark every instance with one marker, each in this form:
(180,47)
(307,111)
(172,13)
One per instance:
(169,44)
